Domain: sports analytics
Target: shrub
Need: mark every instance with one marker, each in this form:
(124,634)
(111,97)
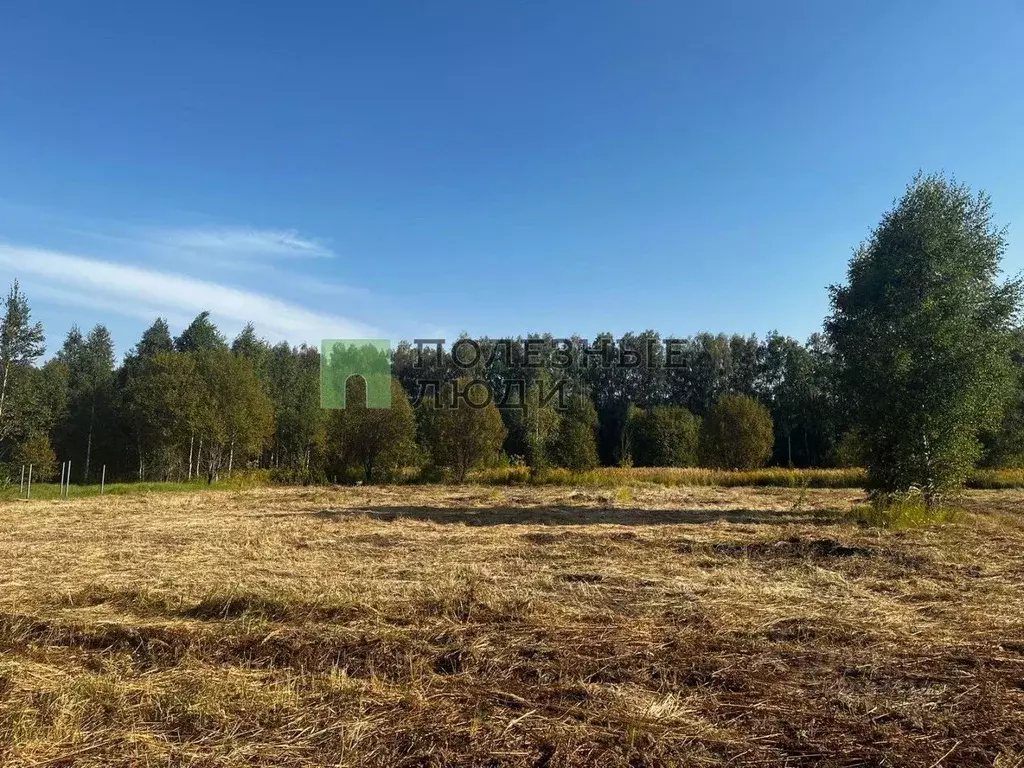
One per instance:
(666,436)
(850,450)
(737,433)
(37,451)
(295,476)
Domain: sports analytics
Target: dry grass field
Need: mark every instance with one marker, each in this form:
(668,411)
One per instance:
(537,626)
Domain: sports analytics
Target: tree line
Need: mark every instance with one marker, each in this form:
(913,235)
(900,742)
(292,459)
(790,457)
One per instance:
(918,376)
(198,405)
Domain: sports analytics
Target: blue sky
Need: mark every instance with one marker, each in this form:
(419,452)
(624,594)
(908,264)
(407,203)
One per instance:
(423,168)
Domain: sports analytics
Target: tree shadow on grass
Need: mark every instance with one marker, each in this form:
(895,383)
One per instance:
(561,516)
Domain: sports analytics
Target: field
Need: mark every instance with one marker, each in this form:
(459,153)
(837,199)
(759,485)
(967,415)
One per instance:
(508,626)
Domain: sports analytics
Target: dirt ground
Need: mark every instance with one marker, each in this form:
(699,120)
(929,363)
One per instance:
(474,626)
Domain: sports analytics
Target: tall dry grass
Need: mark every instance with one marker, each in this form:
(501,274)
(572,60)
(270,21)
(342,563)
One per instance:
(603,477)
(609,477)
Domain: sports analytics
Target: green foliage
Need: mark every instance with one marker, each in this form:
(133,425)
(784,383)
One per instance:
(922,329)
(665,436)
(1003,445)
(37,451)
(850,450)
(200,336)
(458,435)
(239,419)
(292,380)
(532,427)
(250,346)
(903,511)
(737,433)
(796,384)
(194,413)
(88,427)
(155,339)
(707,366)
(163,406)
(21,344)
(380,441)
(575,442)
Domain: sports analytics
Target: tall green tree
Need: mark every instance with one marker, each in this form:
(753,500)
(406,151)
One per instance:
(165,403)
(575,442)
(533,422)
(923,332)
(90,420)
(300,424)
(239,420)
(380,441)
(797,384)
(21,344)
(138,452)
(461,435)
(155,339)
(39,399)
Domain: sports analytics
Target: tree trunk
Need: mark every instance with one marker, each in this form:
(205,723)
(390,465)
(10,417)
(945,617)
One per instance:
(231,457)
(191,444)
(3,389)
(88,453)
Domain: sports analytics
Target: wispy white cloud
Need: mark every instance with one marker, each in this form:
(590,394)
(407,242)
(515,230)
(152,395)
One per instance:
(39,287)
(125,289)
(244,242)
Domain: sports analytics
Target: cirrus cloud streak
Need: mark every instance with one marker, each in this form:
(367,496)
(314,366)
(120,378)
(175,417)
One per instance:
(123,289)
(245,241)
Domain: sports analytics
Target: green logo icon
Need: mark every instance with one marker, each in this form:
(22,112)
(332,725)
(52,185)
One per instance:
(341,359)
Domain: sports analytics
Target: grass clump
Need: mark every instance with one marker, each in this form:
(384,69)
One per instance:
(903,511)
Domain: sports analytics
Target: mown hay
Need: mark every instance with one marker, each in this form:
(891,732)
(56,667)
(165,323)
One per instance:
(521,626)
